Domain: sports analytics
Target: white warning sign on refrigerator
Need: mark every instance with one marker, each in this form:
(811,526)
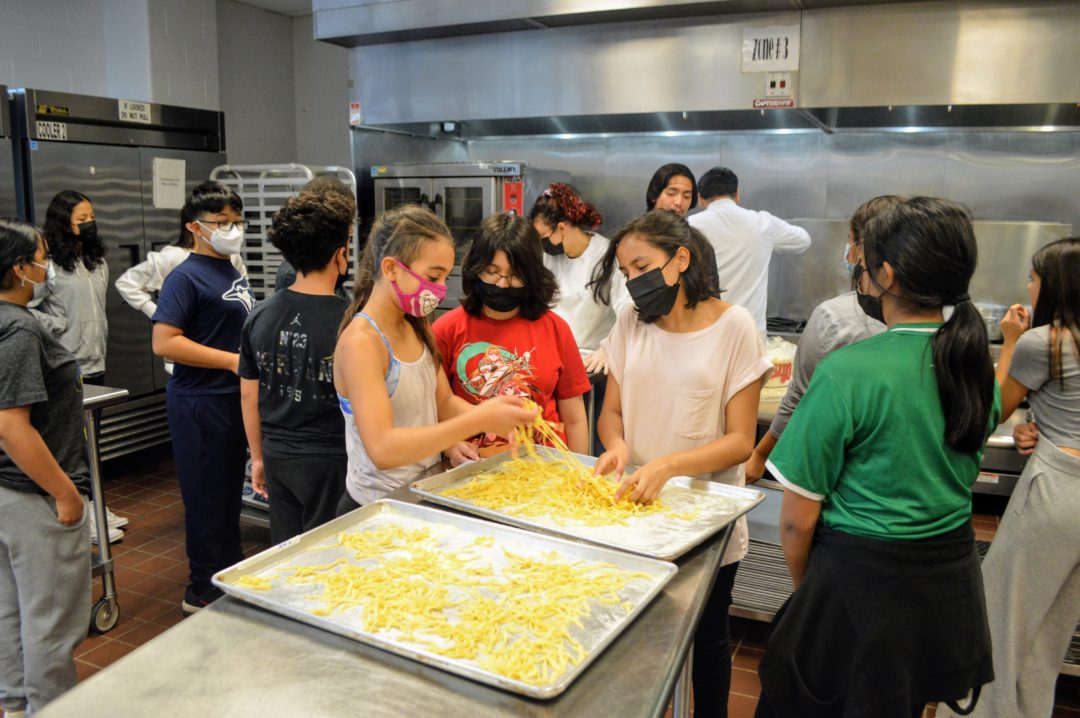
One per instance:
(169,182)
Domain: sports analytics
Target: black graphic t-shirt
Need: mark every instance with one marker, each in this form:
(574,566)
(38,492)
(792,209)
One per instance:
(208,300)
(288,345)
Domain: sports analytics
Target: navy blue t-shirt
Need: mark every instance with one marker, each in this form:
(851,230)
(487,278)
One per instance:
(208,300)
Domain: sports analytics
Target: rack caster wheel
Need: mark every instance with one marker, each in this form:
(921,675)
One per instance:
(104,616)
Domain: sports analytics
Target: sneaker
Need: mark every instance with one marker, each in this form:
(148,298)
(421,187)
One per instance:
(15,713)
(115,534)
(195,601)
(115,521)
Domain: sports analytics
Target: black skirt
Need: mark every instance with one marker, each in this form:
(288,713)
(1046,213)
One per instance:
(879,628)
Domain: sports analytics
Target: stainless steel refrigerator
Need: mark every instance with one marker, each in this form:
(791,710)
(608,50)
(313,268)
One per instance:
(8,204)
(105,149)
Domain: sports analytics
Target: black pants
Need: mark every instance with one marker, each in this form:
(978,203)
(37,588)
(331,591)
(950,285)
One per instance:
(209,447)
(599,388)
(304,492)
(346,504)
(712,649)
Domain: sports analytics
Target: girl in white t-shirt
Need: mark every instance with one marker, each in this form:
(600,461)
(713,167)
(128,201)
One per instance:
(685,371)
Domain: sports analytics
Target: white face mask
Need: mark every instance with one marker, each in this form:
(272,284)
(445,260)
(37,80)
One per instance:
(41,289)
(226,241)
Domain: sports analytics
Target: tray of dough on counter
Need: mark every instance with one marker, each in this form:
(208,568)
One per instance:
(689,511)
(509,608)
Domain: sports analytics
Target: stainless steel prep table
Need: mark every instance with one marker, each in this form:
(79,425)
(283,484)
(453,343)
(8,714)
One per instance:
(232,659)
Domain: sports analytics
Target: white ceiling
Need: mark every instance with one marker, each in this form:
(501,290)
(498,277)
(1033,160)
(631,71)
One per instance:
(292,8)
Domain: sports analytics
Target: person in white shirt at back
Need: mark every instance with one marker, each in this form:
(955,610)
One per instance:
(743,240)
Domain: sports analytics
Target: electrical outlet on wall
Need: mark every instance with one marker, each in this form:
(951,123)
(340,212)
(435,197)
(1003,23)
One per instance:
(778,84)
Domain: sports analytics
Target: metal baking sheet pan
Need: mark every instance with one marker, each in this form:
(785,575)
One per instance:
(453,532)
(660,536)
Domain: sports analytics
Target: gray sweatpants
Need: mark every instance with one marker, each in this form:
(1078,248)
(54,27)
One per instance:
(1032,579)
(44,599)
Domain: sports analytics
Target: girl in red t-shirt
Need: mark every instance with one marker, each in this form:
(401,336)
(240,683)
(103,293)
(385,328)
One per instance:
(504,340)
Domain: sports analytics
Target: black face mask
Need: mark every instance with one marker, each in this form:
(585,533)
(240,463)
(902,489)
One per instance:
(500,299)
(87,231)
(870,305)
(550,248)
(653,297)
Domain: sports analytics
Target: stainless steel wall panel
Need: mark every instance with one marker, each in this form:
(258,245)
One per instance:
(785,174)
(940,53)
(1016,176)
(864,165)
(661,66)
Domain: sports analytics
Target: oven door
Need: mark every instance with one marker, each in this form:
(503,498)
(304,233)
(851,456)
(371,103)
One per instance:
(391,193)
(463,202)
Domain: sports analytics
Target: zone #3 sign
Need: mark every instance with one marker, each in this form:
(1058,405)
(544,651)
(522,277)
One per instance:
(770,49)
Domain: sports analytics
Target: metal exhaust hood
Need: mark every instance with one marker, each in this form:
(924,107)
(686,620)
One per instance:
(1040,117)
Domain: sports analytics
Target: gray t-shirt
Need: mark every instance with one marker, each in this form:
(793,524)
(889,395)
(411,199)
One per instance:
(834,323)
(1056,404)
(36,371)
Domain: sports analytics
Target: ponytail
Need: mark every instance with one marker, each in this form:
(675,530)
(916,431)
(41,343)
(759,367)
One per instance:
(930,245)
(965,377)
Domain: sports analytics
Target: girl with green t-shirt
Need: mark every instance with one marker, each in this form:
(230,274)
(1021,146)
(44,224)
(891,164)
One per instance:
(877,465)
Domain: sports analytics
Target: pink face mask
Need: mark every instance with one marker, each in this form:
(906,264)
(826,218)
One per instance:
(423,301)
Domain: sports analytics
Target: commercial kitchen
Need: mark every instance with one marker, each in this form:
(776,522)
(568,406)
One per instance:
(470,109)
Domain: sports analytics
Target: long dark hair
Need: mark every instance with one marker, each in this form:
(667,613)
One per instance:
(1058,303)
(515,236)
(930,245)
(662,177)
(64,246)
(399,233)
(666,231)
(18,245)
(562,203)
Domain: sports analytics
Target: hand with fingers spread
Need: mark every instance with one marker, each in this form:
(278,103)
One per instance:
(614,460)
(596,363)
(644,485)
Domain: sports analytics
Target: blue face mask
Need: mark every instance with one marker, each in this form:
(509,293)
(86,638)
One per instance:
(849,267)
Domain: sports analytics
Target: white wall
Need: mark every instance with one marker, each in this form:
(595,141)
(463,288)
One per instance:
(157,50)
(184,53)
(255,63)
(321,75)
(54,45)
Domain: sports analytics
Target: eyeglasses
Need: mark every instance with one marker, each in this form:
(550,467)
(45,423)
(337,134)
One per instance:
(492,277)
(227,225)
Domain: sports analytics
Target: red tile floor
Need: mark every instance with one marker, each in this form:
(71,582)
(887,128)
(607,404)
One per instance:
(151,569)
